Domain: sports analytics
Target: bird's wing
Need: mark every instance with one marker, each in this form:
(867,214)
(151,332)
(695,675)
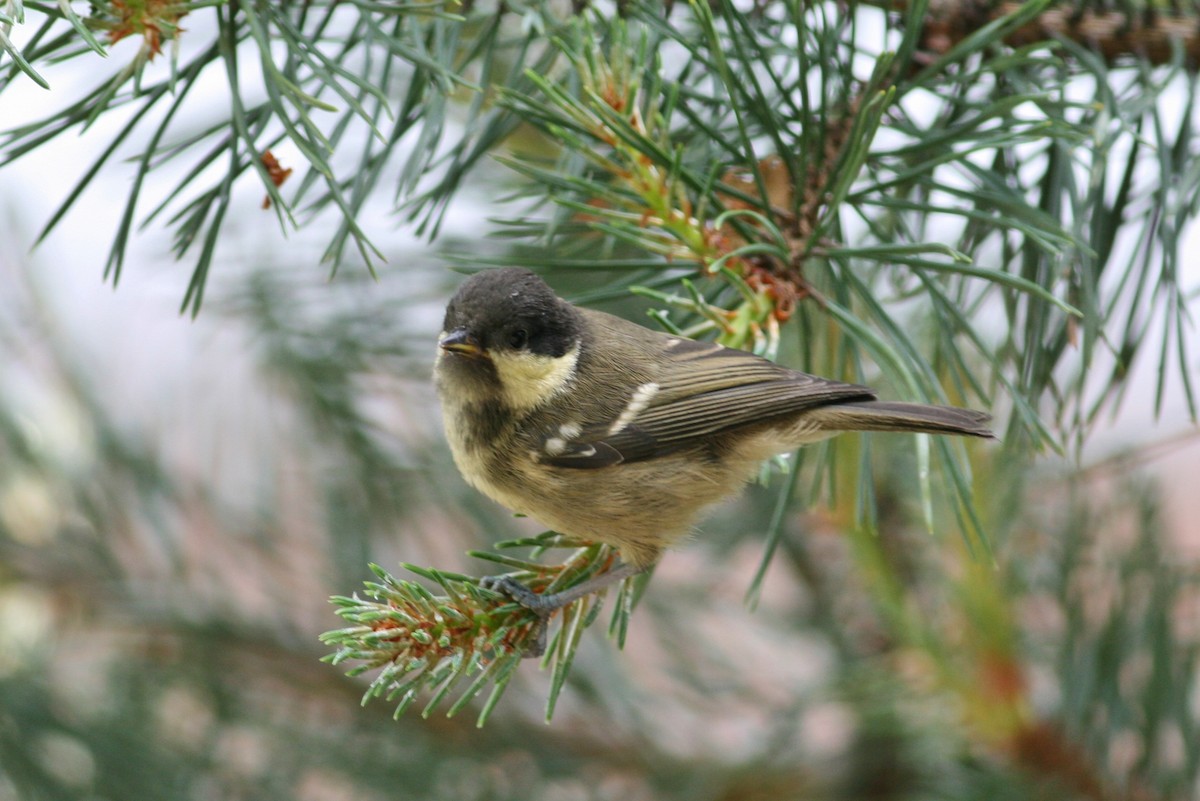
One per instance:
(701,390)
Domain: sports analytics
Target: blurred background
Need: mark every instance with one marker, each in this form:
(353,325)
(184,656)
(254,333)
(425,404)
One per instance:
(180,496)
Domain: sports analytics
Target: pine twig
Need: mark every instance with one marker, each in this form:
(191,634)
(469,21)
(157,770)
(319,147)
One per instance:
(1150,35)
(436,646)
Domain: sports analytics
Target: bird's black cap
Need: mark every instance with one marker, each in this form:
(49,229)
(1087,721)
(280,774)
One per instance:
(512,309)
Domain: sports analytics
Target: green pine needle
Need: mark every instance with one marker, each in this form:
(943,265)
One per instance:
(426,645)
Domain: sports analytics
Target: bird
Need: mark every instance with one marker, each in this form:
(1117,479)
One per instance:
(607,431)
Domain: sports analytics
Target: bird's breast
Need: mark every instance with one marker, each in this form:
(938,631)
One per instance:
(482,438)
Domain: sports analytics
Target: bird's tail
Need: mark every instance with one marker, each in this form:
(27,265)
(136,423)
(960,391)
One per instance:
(895,416)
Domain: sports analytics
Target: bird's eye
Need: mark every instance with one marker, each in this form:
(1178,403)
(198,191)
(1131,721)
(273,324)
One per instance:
(518,339)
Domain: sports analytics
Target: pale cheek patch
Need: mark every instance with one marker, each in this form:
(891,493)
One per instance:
(529,380)
(637,403)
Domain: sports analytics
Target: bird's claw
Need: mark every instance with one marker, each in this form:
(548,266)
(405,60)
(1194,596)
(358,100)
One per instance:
(544,605)
(527,598)
(518,592)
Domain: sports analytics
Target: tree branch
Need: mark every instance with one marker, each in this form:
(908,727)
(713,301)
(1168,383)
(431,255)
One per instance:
(1115,35)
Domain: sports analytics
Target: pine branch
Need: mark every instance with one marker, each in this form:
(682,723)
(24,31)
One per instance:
(328,77)
(1148,33)
(433,645)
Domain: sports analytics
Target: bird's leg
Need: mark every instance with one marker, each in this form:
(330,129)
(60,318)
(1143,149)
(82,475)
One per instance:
(544,606)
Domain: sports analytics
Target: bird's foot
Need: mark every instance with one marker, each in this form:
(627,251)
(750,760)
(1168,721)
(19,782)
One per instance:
(540,605)
(522,595)
(545,605)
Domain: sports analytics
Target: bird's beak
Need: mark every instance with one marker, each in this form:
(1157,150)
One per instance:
(460,342)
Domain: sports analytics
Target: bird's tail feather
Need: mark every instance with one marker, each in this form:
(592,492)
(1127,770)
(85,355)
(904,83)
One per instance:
(896,416)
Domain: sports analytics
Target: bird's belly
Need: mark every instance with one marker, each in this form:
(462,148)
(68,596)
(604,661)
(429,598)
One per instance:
(640,507)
